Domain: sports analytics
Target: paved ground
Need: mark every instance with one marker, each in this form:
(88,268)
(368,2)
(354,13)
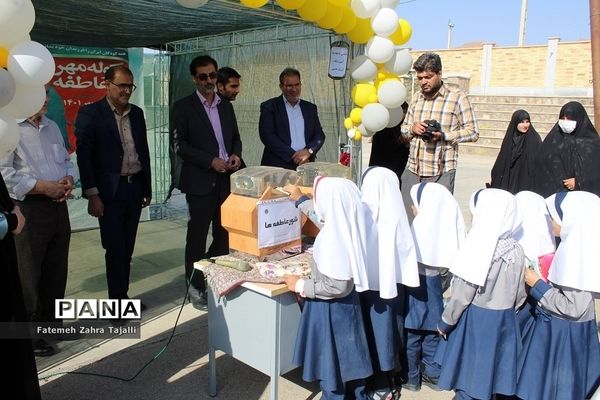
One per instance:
(181,370)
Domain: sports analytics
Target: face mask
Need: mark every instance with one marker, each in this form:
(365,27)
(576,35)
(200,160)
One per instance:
(566,125)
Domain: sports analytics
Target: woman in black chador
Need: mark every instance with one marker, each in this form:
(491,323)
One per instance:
(514,167)
(569,158)
(20,376)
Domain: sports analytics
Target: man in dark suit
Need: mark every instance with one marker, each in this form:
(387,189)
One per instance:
(114,166)
(289,127)
(207,139)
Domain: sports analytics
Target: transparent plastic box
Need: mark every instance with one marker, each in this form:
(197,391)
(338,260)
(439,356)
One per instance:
(309,171)
(253,181)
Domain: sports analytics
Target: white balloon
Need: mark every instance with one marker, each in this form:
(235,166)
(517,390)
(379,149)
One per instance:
(375,117)
(351,132)
(28,101)
(389,3)
(364,8)
(31,64)
(7,87)
(380,49)
(9,134)
(391,93)
(16,20)
(396,116)
(362,69)
(364,131)
(385,22)
(400,63)
(192,3)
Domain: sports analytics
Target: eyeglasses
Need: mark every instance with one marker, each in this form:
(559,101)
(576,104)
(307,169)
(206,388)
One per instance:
(124,86)
(204,77)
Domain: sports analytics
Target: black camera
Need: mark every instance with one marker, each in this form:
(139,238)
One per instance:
(432,126)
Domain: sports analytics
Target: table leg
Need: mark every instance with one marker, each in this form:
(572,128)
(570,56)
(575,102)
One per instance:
(276,350)
(212,372)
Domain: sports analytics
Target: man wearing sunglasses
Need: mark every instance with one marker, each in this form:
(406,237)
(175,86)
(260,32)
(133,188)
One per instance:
(288,126)
(206,137)
(114,164)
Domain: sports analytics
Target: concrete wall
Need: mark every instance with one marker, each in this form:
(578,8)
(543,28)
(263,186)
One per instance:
(554,69)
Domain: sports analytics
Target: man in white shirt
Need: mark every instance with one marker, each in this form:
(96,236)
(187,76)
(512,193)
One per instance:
(40,177)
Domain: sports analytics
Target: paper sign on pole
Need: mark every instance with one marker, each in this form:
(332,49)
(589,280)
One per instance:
(278,222)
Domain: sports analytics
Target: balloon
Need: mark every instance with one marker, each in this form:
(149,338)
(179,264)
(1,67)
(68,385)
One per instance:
(396,116)
(364,131)
(402,34)
(192,3)
(27,101)
(254,3)
(365,8)
(351,132)
(375,117)
(389,3)
(380,49)
(357,136)
(348,123)
(391,93)
(313,10)
(362,32)
(9,134)
(7,87)
(290,4)
(385,22)
(348,21)
(332,17)
(31,64)
(339,2)
(3,57)
(362,69)
(400,63)
(16,20)
(355,115)
(362,93)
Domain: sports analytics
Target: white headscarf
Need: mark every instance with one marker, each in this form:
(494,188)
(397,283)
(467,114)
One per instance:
(380,191)
(347,244)
(535,235)
(439,226)
(495,216)
(576,263)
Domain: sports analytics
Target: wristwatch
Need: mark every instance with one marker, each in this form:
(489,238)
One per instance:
(310,151)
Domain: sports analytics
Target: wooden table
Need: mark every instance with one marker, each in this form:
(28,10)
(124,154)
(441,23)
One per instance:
(257,324)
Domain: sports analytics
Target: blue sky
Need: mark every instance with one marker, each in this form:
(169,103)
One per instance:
(494,21)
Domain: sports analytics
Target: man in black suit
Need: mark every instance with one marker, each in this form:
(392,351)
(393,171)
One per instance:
(289,127)
(207,139)
(114,166)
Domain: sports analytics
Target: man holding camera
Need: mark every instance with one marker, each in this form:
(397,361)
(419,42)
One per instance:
(437,121)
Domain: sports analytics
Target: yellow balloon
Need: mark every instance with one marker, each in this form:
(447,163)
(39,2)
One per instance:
(3,57)
(372,97)
(356,115)
(362,92)
(357,136)
(332,17)
(290,4)
(348,21)
(362,31)
(348,123)
(254,3)
(339,2)
(313,10)
(402,34)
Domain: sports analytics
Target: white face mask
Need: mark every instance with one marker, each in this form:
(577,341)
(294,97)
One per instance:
(567,126)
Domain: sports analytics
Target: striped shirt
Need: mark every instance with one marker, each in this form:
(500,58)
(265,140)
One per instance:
(453,111)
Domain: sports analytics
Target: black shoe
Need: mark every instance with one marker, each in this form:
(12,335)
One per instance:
(431,383)
(198,299)
(41,348)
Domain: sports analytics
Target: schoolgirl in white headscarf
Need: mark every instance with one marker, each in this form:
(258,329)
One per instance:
(383,304)
(331,344)
(479,358)
(561,352)
(438,230)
